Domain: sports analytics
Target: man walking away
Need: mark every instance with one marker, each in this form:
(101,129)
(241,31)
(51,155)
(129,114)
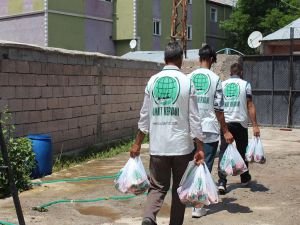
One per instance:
(171,117)
(210,105)
(238,105)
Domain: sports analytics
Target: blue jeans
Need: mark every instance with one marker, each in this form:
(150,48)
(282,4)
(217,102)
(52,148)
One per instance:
(210,150)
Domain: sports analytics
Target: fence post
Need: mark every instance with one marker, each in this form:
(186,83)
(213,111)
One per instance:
(273,84)
(289,118)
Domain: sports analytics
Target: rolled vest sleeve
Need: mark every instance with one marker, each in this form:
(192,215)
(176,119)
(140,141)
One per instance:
(218,98)
(248,90)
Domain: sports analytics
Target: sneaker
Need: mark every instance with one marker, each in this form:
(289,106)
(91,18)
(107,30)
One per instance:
(222,188)
(246,181)
(147,221)
(198,212)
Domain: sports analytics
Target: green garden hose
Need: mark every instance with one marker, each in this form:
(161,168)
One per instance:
(43,208)
(6,223)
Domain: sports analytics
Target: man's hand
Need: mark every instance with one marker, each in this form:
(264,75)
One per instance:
(256,131)
(199,157)
(136,147)
(228,137)
(135,150)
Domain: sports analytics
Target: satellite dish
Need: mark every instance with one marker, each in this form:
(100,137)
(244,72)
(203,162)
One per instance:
(254,39)
(132,44)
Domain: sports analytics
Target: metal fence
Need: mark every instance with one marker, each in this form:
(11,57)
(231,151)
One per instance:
(275,82)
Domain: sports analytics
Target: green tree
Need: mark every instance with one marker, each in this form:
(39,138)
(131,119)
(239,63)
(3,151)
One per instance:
(265,16)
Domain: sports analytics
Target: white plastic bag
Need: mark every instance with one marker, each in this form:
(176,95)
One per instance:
(259,155)
(197,187)
(232,162)
(255,151)
(132,178)
(250,150)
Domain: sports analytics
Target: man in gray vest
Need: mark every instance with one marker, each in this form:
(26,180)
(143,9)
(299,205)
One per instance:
(210,105)
(238,105)
(170,116)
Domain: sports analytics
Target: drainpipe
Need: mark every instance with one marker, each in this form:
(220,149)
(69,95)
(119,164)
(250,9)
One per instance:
(135,24)
(46,23)
(134,19)
(205,13)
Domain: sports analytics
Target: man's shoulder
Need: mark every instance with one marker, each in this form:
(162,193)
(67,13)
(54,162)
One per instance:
(169,73)
(235,80)
(205,71)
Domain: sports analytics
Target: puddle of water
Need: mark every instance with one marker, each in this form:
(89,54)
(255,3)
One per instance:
(102,211)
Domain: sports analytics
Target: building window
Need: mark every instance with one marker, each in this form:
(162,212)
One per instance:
(213,14)
(189,2)
(156,27)
(189,32)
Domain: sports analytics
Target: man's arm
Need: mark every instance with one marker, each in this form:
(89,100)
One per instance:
(252,114)
(143,126)
(219,110)
(195,128)
(227,135)
(252,110)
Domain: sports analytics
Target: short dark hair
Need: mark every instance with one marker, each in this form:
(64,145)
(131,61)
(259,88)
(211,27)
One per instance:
(206,53)
(173,51)
(236,69)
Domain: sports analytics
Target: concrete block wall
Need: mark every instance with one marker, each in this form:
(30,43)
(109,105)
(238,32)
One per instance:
(123,86)
(79,99)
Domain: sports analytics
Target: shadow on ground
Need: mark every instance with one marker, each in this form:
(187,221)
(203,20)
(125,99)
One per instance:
(229,205)
(253,185)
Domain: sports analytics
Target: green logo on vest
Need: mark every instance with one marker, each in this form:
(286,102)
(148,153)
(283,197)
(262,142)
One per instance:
(201,83)
(166,90)
(231,91)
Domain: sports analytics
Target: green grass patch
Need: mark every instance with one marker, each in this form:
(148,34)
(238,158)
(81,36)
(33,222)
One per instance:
(66,161)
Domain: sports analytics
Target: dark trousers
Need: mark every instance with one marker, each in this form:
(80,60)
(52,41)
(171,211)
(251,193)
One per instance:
(161,168)
(210,150)
(240,135)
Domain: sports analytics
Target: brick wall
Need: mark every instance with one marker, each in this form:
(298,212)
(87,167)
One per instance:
(80,99)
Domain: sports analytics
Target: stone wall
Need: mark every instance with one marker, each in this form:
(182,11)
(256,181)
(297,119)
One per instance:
(79,98)
(221,68)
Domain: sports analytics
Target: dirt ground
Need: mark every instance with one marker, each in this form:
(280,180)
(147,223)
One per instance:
(273,197)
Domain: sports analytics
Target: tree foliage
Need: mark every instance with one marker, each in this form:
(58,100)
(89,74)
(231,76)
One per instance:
(265,16)
(22,158)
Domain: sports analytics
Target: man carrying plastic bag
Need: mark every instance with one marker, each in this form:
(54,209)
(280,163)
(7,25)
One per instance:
(197,187)
(170,115)
(238,105)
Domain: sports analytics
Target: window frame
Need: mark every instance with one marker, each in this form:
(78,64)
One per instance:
(155,21)
(215,19)
(189,28)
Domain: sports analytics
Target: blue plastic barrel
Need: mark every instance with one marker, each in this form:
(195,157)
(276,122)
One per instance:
(42,147)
